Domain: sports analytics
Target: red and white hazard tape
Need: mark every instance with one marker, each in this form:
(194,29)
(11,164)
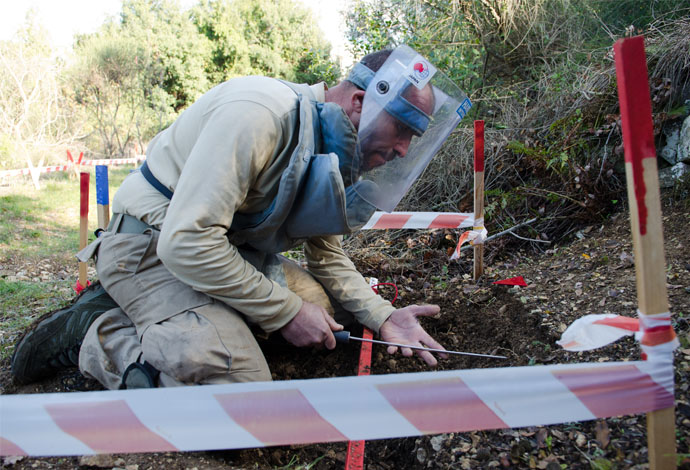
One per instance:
(419,220)
(654,332)
(50,169)
(326,410)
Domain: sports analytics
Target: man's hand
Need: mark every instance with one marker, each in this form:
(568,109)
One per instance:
(312,326)
(403,327)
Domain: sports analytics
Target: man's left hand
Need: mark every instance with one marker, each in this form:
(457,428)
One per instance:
(402,327)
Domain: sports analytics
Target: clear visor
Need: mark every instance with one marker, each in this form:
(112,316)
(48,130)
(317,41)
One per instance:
(409,110)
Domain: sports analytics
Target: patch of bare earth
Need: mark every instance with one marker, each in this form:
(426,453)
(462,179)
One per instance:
(593,274)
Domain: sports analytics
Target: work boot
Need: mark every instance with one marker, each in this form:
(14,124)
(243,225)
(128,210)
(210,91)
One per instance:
(52,342)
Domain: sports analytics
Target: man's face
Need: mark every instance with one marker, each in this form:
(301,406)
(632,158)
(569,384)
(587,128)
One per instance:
(391,138)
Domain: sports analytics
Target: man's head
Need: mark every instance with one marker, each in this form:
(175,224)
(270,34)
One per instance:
(401,106)
(350,96)
(390,137)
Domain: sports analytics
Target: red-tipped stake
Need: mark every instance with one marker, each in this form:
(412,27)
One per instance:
(645,218)
(83,224)
(478,195)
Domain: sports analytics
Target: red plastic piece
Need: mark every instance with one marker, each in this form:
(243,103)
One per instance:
(78,287)
(513,281)
(355,449)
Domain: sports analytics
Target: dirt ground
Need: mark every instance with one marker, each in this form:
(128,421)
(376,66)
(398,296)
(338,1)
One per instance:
(594,273)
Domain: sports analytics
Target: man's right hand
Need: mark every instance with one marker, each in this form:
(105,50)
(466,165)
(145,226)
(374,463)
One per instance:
(312,326)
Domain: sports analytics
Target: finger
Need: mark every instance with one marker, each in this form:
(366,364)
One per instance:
(431,343)
(334,325)
(330,340)
(427,357)
(425,310)
(392,349)
(407,352)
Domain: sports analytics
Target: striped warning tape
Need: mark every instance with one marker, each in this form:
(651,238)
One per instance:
(50,169)
(325,410)
(419,220)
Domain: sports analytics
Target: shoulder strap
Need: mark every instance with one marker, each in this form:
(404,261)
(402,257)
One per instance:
(154,181)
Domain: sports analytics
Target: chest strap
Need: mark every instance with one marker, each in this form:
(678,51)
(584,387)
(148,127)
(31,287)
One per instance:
(153,181)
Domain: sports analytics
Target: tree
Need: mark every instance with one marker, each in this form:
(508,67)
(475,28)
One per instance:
(138,72)
(141,69)
(34,124)
(278,38)
(438,29)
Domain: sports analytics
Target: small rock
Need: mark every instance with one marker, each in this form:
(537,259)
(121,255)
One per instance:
(98,460)
(11,460)
(437,442)
(483,453)
(421,455)
(580,439)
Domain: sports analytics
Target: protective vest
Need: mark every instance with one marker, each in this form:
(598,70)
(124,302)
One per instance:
(312,198)
(316,196)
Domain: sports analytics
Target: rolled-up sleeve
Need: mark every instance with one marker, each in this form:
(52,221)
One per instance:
(234,145)
(329,264)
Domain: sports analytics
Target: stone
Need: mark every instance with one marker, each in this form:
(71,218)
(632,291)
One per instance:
(684,142)
(668,176)
(669,151)
(421,455)
(98,460)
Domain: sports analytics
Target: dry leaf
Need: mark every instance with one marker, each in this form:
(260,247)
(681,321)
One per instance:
(602,433)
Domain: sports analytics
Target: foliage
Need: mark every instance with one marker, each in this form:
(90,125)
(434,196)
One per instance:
(436,28)
(140,70)
(34,116)
(540,74)
(278,38)
(135,74)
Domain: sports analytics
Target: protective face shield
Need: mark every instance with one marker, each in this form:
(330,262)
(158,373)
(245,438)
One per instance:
(409,110)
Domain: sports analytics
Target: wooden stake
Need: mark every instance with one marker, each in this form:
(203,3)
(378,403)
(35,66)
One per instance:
(478,195)
(83,223)
(102,196)
(645,218)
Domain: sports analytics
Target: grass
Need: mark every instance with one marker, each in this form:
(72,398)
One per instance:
(37,224)
(40,227)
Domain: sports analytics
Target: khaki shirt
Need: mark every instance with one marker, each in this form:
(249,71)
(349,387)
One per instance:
(224,154)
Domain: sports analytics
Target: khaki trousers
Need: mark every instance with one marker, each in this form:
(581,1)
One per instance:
(188,336)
